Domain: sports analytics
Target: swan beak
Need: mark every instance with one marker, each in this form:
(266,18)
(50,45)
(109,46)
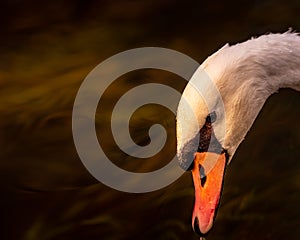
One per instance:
(208,187)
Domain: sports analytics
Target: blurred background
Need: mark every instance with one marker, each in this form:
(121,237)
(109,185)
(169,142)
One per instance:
(48,48)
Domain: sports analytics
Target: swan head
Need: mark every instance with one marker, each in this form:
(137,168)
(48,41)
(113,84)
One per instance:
(216,110)
(201,129)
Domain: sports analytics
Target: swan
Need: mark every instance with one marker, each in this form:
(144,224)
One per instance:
(245,74)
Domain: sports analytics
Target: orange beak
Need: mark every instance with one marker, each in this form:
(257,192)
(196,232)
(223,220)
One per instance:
(208,172)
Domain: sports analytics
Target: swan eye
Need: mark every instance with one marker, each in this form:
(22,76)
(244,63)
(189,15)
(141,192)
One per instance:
(212,117)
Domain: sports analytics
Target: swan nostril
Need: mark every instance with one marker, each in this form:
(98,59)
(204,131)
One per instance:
(203,181)
(202,175)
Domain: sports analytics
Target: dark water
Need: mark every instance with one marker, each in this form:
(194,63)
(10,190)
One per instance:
(48,48)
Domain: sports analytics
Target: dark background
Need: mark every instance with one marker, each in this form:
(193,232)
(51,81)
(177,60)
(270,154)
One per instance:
(47,49)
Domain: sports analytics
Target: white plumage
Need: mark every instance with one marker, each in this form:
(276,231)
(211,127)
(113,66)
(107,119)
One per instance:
(245,74)
(237,81)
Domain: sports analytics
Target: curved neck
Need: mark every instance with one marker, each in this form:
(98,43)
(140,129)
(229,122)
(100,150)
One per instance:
(245,74)
(248,73)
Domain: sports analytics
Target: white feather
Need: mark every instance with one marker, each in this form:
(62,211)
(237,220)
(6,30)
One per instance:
(245,74)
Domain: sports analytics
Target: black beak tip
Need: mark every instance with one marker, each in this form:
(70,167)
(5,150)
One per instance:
(197,228)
